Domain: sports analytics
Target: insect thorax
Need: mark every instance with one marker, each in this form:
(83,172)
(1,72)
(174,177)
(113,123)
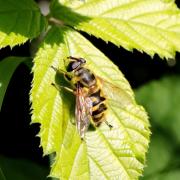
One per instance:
(85,77)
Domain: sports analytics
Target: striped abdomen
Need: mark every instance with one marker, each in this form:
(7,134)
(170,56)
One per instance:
(87,79)
(99,107)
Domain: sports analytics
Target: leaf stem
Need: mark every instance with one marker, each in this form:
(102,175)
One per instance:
(53,20)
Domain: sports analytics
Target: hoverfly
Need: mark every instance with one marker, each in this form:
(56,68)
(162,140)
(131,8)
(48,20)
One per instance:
(90,101)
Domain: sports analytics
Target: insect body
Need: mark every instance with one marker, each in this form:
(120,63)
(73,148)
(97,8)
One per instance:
(90,101)
(89,82)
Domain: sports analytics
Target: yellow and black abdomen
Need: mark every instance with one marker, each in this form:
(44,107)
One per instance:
(99,106)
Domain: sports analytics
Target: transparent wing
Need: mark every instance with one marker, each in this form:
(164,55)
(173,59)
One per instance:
(122,105)
(83,111)
(115,94)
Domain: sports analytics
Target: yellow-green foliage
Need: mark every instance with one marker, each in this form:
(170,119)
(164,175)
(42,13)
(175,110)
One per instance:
(104,154)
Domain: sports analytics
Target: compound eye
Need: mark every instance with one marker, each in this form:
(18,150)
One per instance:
(69,67)
(73,65)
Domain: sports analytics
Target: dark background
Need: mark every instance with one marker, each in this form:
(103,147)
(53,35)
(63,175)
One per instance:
(17,137)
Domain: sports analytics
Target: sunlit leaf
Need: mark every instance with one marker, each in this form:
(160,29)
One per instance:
(104,154)
(149,26)
(7,68)
(20,20)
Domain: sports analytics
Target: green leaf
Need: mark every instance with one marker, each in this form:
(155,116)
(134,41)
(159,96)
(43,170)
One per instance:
(159,146)
(172,175)
(7,68)
(104,154)
(20,20)
(149,26)
(165,94)
(161,99)
(21,169)
(2,177)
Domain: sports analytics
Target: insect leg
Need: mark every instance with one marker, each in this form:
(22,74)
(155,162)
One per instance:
(110,126)
(68,75)
(71,57)
(58,87)
(54,68)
